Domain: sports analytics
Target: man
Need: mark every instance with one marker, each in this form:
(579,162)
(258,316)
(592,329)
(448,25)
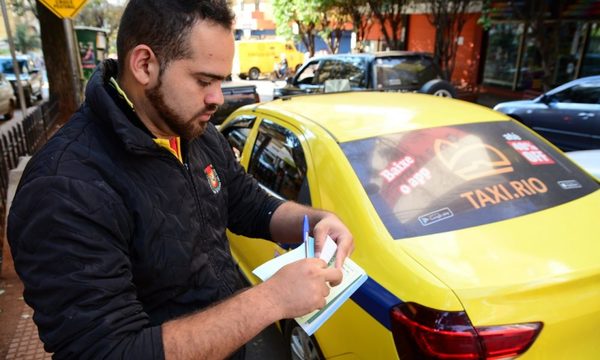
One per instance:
(282,66)
(118,226)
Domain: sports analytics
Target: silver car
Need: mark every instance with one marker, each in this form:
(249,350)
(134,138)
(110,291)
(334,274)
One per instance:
(8,102)
(568,116)
(31,77)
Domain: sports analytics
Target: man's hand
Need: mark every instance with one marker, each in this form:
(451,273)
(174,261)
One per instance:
(331,225)
(301,287)
(295,290)
(286,227)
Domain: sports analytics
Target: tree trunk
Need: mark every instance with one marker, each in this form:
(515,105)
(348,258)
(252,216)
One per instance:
(56,58)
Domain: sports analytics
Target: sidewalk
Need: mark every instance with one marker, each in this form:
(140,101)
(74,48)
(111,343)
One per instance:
(18,334)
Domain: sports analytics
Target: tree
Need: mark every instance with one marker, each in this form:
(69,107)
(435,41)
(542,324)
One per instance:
(359,13)
(545,34)
(449,19)
(56,55)
(332,26)
(26,38)
(21,7)
(389,13)
(306,15)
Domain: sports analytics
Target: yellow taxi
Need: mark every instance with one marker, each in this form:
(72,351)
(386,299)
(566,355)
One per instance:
(479,237)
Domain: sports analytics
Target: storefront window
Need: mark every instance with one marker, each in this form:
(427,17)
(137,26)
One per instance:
(501,58)
(591,60)
(570,41)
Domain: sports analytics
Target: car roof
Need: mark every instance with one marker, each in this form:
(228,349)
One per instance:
(378,54)
(593,78)
(19,58)
(351,115)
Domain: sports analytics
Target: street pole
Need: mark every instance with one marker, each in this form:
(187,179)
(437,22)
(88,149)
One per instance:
(14,59)
(73,62)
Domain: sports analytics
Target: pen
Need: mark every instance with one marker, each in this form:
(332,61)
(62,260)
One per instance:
(305,237)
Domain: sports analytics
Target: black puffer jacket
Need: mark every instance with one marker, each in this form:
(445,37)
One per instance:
(112,235)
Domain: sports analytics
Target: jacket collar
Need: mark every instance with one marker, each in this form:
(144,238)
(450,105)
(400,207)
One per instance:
(113,111)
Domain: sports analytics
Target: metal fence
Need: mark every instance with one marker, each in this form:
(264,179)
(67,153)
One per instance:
(24,138)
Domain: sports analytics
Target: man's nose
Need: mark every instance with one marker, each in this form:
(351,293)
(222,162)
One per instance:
(214,95)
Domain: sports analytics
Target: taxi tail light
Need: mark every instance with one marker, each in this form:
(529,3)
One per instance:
(424,333)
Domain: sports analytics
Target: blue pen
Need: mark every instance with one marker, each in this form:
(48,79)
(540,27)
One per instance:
(309,247)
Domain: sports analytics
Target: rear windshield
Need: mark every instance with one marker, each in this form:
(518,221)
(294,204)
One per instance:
(7,66)
(448,178)
(403,71)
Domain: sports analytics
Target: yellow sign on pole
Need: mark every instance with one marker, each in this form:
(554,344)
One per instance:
(64,8)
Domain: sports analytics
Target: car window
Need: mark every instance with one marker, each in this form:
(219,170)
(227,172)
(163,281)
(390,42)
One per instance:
(348,68)
(585,93)
(353,70)
(328,70)
(7,66)
(278,162)
(447,178)
(402,71)
(308,73)
(237,131)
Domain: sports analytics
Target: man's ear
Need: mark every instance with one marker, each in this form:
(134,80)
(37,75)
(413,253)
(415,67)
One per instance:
(144,65)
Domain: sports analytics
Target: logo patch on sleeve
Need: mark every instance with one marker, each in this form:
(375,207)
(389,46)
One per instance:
(213,178)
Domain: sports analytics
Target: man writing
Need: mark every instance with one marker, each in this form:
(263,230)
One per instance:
(118,226)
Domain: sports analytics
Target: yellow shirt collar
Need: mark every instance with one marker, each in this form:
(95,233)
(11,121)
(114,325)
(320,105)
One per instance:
(173,145)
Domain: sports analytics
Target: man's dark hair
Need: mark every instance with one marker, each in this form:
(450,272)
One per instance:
(165,26)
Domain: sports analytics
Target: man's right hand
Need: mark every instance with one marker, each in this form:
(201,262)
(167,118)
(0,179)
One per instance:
(301,287)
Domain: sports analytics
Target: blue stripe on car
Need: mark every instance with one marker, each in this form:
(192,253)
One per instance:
(376,301)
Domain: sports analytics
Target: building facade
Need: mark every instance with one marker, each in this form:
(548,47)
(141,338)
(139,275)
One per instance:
(504,58)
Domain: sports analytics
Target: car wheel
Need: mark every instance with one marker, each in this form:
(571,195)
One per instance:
(254,73)
(439,87)
(11,111)
(27,94)
(300,345)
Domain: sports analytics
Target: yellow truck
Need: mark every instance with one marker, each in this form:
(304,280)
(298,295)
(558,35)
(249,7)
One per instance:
(256,57)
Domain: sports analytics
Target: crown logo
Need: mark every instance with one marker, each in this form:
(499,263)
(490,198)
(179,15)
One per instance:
(473,160)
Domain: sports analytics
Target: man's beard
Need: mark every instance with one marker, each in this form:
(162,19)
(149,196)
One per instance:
(187,129)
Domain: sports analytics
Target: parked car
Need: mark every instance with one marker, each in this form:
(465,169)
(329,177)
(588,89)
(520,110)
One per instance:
(568,116)
(589,160)
(31,77)
(386,71)
(235,94)
(475,232)
(8,102)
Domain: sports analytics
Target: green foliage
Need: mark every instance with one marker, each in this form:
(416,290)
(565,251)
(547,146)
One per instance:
(284,15)
(308,16)
(26,39)
(486,14)
(21,7)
